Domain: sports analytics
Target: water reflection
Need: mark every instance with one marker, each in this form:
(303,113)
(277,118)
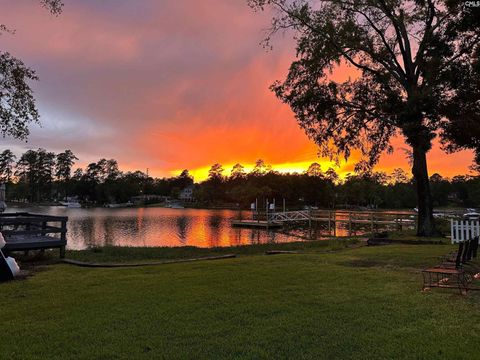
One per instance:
(176,227)
(155,227)
(182,225)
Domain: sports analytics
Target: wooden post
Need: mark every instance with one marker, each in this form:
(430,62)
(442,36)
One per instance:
(349,223)
(63,236)
(310,223)
(372,225)
(334,223)
(266,213)
(329,222)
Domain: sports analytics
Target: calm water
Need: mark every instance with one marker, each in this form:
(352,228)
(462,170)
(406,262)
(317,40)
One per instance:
(155,227)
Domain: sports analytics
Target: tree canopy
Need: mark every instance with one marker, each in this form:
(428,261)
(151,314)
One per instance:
(17,103)
(417,66)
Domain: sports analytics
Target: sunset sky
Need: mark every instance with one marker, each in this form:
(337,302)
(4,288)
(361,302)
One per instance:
(166,85)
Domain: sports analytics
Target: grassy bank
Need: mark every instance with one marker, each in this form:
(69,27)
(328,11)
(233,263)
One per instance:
(133,254)
(355,303)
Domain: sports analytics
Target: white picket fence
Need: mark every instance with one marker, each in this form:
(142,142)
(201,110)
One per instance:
(464,230)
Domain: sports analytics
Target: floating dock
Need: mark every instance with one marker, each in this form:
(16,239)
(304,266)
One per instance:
(256,224)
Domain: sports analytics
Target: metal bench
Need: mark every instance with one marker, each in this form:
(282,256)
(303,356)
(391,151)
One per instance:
(26,231)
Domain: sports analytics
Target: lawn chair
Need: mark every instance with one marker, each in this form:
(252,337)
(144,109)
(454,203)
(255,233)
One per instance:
(456,271)
(458,258)
(467,251)
(454,259)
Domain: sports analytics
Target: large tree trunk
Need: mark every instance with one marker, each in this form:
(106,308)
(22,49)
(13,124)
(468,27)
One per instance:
(426,226)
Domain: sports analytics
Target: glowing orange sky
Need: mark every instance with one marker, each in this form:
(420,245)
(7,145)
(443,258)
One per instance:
(167,85)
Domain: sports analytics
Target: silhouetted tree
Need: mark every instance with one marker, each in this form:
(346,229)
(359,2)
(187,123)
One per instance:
(63,171)
(399,176)
(440,190)
(77,174)
(7,161)
(216,172)
(185,179)
(35,168)
(475,167)
(17,104)
(332,175)
(418,72)
(260,168)
(315,170)
(94,172)
(64,163)
(109,169)
(238,172)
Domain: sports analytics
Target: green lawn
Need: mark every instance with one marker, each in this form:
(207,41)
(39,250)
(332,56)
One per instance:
(357,303)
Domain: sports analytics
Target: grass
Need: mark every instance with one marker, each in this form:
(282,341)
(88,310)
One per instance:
(410,235)
(134,254)
(357,303)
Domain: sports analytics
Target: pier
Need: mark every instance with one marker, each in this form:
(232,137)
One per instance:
(256,224)
(351,220)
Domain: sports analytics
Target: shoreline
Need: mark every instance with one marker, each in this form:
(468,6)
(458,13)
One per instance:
(227,207)
(130,254)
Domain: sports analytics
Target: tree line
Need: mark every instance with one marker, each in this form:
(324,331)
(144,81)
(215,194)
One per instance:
(325,189)
(43,176)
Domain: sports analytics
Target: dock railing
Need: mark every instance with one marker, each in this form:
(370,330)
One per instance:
(375,220)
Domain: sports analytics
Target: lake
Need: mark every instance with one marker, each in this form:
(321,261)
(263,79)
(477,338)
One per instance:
(155,227)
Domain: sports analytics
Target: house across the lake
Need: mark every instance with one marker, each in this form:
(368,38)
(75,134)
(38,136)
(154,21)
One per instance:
(187,194)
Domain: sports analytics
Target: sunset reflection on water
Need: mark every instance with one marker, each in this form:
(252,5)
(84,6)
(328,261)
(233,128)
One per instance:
(156,227)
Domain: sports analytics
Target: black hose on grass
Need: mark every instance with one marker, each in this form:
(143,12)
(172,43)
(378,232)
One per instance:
(100,265)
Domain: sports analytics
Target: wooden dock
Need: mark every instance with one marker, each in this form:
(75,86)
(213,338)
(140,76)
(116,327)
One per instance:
(256,224)
(351,220)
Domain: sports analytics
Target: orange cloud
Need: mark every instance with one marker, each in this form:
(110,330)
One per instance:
(127,80)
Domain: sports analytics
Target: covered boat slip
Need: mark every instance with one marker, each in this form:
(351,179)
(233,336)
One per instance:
(25,231)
